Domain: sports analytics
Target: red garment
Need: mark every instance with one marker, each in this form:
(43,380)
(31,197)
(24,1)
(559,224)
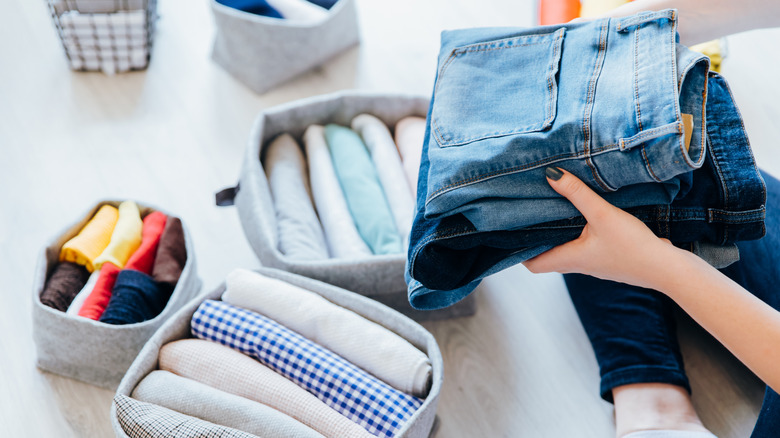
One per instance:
(143,258)
(97,300)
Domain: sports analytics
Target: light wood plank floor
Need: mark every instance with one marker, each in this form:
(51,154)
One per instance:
(175,134)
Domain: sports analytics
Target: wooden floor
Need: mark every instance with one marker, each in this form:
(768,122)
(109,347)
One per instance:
(175,134)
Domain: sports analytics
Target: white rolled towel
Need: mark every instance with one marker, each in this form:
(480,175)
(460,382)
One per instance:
(409,137)
(341,233)
(374,348)
(387,162)
(299,10)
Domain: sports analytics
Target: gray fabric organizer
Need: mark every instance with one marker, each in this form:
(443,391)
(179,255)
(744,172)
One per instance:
(379,277)
(92,351)
(263,52)
(178,327)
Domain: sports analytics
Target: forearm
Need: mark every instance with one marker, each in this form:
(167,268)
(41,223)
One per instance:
(704,20)
(748,327)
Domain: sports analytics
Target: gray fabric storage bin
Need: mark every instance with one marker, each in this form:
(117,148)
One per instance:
(263,52)
(379,277)
(178,327)
(92,351)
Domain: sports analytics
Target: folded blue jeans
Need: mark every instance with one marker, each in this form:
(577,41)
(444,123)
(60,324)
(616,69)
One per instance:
(605,99)
(633,331)
(722,202)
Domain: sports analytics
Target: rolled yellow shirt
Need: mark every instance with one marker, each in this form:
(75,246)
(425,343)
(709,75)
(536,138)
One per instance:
(125,239)
(92,239)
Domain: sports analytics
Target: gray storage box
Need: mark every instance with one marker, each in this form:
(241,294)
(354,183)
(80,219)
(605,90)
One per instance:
(178,327)
(263,52)
(379,277)
(92,351)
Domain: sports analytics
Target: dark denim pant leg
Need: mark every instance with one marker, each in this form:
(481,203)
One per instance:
(758,271)
(632,330)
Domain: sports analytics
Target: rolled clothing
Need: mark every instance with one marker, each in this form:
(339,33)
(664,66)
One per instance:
(365,343)
(196,399)
(142,259)
(327,4)
(171,254)
(135,298)
(97,300)
(299,10)
(230,371)
(64,283)
(339,228)
(389,169)
(147,420)
(365,198)
(78,302)
(90,242)
(257,7)
(300,232)
(125,239)
(355,394)
(409,138)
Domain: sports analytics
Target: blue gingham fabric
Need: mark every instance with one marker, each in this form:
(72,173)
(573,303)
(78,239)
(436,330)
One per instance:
(354,393)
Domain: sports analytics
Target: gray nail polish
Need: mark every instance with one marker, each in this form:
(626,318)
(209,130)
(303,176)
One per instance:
(553,173)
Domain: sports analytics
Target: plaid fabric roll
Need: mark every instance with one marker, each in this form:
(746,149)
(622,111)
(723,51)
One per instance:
(357,395)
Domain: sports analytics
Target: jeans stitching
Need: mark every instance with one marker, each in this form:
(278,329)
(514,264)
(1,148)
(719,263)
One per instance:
(590,103)
(557,36)
(523,167)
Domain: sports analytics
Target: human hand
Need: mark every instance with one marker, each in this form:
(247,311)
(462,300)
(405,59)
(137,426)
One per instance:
(614,245)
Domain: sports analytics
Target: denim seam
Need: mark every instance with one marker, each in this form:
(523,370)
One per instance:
(590,103)
(626,23)
(549,115)
(523,167)
(636,80)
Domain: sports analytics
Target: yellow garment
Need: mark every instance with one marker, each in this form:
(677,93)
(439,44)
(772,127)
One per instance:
(595,8)
(92,239)
(713,50)
(126,237)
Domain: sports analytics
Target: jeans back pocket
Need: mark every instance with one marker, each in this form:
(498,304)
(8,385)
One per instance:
(497,88)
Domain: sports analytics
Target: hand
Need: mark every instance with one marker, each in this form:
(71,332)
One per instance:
(614,245)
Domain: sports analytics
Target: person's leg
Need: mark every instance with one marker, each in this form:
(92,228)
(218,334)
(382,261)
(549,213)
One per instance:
(632,331)
(758,271)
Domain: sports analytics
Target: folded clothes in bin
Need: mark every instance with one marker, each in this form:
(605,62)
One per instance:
(296,386)
(270,223)
(90,327)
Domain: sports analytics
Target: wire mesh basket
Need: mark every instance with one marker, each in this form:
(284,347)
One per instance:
(105,35)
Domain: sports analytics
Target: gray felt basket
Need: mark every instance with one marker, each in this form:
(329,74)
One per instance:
(420,425)
(263,52)
(92,351)
(379,277)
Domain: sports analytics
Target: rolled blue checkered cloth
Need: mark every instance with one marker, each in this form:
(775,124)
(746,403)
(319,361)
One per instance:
(354,393)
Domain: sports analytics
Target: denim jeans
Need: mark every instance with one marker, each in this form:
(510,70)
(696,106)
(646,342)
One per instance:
(722,203)
(633,331)
(604,99)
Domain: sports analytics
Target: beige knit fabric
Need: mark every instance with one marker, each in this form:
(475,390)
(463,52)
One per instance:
(366,344)
(230,371)
(193,398)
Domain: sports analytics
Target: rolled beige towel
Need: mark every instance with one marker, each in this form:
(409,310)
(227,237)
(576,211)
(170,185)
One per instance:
(230,371)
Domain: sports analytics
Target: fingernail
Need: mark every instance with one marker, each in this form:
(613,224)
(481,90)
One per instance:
(553,173)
